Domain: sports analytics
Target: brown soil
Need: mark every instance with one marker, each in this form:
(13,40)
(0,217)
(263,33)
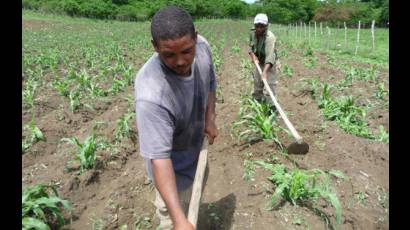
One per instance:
(116,191)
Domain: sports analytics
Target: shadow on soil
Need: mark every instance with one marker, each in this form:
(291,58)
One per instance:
(217,215)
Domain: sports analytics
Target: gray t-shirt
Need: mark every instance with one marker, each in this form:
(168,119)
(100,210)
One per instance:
(170,112)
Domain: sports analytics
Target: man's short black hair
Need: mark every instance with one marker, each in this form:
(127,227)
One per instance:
(171,22)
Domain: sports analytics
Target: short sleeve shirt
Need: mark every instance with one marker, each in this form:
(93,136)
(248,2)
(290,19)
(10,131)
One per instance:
(264,47)
(170,112)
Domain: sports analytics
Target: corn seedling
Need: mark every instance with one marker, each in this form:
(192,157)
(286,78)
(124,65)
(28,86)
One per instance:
(123,129)
(313,84)
(143,223)
(235,47)
(29,93)
(299,186)
(310,62)
(97,223)
(344,111)
(86,151)
(84,80)
(381,92)
(347,81)
(361,197)
(40,208)
(383,135)
(96,91)
(35,135)
(61,86)
(287,70)
(256,121)
(74,97)
(117,86)
(308,52)
(249,170)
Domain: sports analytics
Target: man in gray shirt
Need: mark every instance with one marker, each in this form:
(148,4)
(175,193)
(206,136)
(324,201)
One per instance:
(175,108)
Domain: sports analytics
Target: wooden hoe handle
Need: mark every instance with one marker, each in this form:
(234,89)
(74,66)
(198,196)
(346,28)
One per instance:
(282,114)
(198,182)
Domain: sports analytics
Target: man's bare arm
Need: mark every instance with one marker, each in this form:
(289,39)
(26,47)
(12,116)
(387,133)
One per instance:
(165,182)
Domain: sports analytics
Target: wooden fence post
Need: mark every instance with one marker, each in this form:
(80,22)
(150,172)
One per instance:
(328,37)
(358,39)
(315,30)
(373,35)
(344,23)
(309,33)
(321,31)
(304,24)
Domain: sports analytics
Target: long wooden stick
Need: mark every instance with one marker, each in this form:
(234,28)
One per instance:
(198,182)
(282,114)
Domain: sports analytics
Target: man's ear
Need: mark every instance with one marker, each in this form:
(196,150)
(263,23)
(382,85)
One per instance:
(196,36)
(154,45)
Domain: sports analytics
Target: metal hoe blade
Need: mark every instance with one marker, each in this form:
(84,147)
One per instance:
(298,148)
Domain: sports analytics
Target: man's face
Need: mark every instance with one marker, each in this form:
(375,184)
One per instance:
(177,54)
(260,29)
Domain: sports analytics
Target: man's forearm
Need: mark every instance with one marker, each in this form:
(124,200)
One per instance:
(165,182)
(267,67)
(210,108)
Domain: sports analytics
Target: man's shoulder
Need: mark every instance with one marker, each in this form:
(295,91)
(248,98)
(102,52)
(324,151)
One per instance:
(201,41)
(270,35)
(150,81)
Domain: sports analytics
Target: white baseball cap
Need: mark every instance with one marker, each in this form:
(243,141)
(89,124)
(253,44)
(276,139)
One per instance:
(261,19)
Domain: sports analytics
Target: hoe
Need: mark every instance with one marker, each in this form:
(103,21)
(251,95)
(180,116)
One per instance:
(299,146)
(197,186)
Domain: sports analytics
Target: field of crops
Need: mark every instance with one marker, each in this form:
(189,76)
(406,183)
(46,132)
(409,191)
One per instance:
(81,166)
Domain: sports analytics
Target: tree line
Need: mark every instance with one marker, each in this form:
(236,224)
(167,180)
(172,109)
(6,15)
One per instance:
(278,11)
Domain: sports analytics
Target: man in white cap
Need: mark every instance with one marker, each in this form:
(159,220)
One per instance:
(262,50)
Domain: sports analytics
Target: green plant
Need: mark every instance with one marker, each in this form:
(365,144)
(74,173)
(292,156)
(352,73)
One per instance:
(97,223)
(381,92)
(347,81)
(383,135)
(74,97)
(344,111)
(117,86)
(249,170)
(235,47)
(298,186)
(313,84)
(256,120)
(287,70)
(61,86)
(96,91)
(308,52)
(310,62)
(86,151)
(123,129)
(143,223)
(361,197)
(29,92)
(34,136)
(40,208)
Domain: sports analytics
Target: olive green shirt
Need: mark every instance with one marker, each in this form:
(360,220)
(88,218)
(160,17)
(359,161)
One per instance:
(264,47)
